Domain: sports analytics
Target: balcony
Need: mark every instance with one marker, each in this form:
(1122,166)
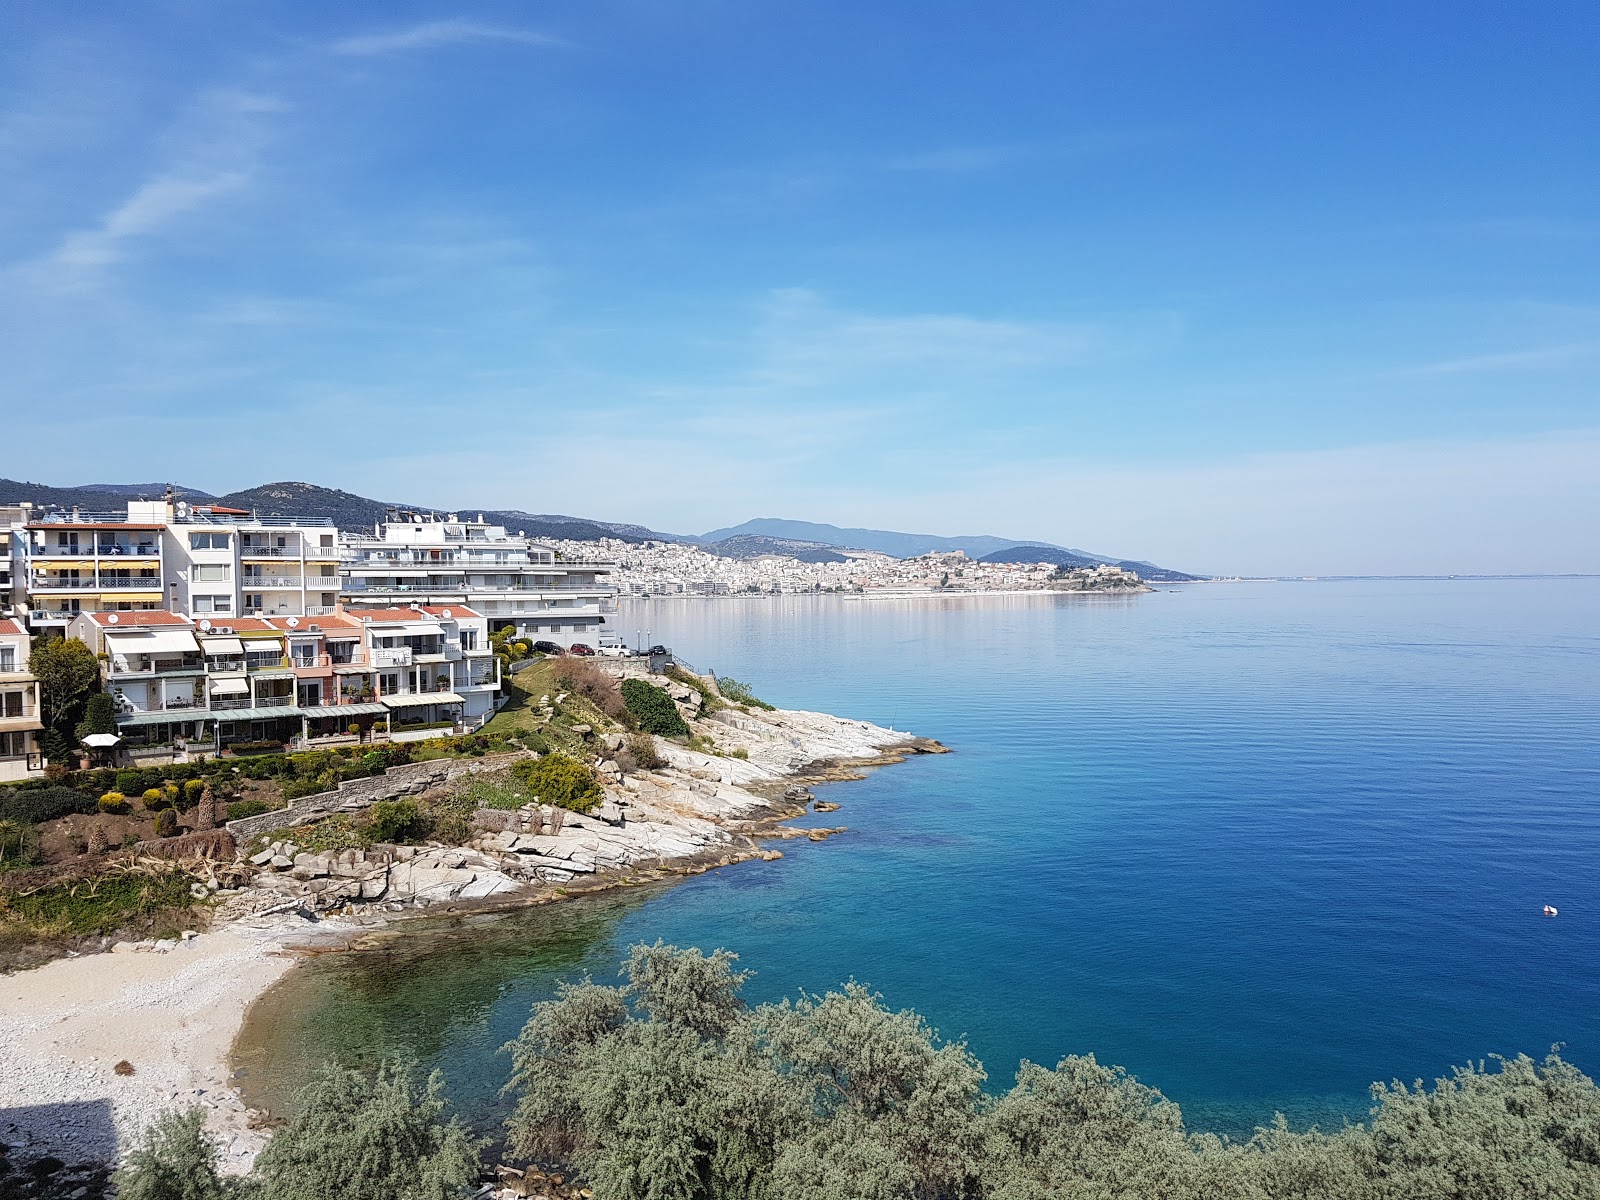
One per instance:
(269,551)
(145,665)
(45,583)
(397,656)
(268,582)
(267,662)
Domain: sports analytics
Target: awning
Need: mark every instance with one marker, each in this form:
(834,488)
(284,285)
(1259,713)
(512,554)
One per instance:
(217,647)
(141,597)
(152,641)
(406,629)
(230,687)
(254,714)
(414,699)
(60,564)
(344,710)
(170,717)
(263,645)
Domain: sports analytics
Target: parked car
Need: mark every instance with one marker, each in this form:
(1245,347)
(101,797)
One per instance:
(581,650)
(615,651)
(547,648)
(654,650)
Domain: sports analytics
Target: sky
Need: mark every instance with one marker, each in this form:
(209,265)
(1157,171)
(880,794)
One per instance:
(1239,288)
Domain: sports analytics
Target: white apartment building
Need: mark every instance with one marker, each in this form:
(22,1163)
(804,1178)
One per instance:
(161,554)
(202,684)
(423,558)
(19,707)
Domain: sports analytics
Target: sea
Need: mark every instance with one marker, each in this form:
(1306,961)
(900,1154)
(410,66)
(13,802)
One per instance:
(1261,844)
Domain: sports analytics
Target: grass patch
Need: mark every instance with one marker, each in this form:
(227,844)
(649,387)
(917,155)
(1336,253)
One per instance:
(134,901)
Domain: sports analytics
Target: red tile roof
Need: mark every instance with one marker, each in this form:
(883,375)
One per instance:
(455,610)
(10,628)
(154,616)
(387,615)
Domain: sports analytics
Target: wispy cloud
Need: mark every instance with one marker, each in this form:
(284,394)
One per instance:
(213,154)
(1537,359)
(433,34)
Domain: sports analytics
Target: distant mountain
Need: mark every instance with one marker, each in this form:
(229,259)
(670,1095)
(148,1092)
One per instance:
(1031,553)
(899,545)
(754,546)
(350,511)
(91,497)
(145,491)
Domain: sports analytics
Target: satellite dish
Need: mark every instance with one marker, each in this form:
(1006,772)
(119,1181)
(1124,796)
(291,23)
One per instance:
(292,622)
(112,619)
(445,614)
(205,624)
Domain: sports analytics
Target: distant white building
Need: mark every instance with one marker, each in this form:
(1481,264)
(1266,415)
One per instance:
(423,558)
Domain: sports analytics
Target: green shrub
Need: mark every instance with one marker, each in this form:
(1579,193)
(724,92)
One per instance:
(561,781)
(398,822)
(167,823)
(642,747)
(192,791)
(99,715)
(740,693)
(113,802)
(175,1160)
(265,746)
(359,1137)
(296,788)
(131,781)
(240,809)
(36,805)
(154,798)
(653,708)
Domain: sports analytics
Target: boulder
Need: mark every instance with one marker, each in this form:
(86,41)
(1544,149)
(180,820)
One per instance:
(495,820)
(487,884)
(262,859)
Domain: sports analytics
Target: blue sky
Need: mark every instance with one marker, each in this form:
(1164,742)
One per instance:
(1239,287)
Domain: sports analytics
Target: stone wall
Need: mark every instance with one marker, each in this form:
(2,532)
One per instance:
(407,780)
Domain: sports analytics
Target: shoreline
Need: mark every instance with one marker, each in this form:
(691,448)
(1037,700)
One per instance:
(175,1014)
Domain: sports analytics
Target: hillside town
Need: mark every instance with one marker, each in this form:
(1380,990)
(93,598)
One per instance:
(656,568)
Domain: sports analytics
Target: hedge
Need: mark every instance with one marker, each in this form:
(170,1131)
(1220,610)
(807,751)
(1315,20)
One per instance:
(36,805)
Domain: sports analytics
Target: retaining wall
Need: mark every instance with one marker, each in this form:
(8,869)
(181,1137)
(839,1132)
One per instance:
(406,780)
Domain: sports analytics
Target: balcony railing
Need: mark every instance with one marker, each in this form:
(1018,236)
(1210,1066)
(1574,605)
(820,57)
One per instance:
(269,552)
(156,666)
(266,662)
(44,583)
(17,714)
(269,581)
(395,657)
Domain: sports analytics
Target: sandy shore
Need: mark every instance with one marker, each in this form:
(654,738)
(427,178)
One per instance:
(173,1016)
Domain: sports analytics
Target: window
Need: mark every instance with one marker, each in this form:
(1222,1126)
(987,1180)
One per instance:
(8,658)
(210,574)
(469,639)
(13,704)
(209,604)
(329,599)
(327,541)
(13,745)
(209,541)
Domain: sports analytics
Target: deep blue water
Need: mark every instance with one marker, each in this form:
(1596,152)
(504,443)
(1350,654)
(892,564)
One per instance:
(1261,844)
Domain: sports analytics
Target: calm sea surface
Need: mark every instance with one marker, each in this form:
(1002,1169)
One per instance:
(1261,844)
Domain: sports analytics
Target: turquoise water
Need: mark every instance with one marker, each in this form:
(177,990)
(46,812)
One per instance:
(1261,844)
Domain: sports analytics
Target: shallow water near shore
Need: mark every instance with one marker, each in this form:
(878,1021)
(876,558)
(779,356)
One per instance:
(1261,844)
